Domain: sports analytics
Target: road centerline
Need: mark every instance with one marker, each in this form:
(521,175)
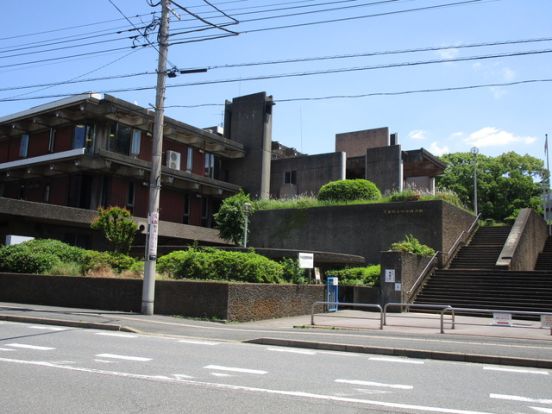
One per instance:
(375,384)
(32,347)
(236,369)
(124,357)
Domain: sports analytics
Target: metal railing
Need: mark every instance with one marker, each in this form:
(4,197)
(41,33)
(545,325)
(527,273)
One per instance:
(423,274)
(442,308)
(359,305)
(459,239)
(492,311)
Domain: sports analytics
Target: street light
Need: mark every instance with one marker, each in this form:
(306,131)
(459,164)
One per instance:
(246,211)
(474,152)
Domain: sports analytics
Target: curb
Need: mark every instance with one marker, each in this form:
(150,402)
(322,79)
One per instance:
(405,352)
(72,324)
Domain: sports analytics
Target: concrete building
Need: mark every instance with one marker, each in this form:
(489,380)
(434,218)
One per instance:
(61,161)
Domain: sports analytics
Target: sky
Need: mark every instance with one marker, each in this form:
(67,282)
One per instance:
(485,112)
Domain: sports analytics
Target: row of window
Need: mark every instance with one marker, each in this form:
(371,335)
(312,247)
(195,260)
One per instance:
(82,136)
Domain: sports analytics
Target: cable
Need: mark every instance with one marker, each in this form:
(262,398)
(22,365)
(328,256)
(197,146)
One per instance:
(198,17)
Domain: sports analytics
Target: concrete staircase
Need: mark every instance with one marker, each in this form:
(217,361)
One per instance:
(544,261)
(472,281)
(483,250)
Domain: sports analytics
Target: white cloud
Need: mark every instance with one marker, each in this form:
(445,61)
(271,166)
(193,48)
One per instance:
(493,137)
(498,91)
(418,134)
(456,135)
(508,74)
(435,149)
(447,54)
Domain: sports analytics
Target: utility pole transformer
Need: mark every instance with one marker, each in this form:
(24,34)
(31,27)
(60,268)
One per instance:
(148,287)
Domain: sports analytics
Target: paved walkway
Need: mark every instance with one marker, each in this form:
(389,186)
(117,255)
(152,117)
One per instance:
(406,334)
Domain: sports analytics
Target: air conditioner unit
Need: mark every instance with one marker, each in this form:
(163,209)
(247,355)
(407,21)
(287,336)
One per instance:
(173,160)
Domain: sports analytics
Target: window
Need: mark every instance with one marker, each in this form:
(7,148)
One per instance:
(130,197)
(51,140)
(189,159)
(46,193)
(24,146)
(186,217)
(120,138)
(209,165)
(82,135)
(290,177)
(135,145)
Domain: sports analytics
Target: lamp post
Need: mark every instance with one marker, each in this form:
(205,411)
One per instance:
(474,152)
(246,211)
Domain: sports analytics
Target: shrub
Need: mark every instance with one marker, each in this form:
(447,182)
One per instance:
(117,226)
(349,190)
(366,276)
(217,264)
(21,259)
(411,244)
(94,261)
(292,272)
(231,217)
(405,195)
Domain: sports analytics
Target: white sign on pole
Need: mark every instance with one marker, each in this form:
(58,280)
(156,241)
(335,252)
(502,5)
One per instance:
(390,275)
(502,319)
(153,233)
(317,274)
(398,287)
(546,321)
(306,260)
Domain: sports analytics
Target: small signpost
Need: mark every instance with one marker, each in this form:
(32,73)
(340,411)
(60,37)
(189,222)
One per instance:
(502,319)
(306,260)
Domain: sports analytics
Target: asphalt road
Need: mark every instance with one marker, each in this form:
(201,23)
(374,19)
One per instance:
(45,369)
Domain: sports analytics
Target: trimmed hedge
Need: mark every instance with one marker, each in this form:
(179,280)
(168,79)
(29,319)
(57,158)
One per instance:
(217,264)
(349,190)
(356,276)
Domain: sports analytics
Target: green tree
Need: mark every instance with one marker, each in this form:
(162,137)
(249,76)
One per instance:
(231,217)
(505,183)
(117,226)
(349,190)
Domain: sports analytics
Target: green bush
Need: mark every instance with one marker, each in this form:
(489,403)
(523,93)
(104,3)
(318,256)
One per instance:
(349,190)
(214,264)
(20,258)
(231,217)
(93,261)
(355,276)
(405,195)
(411,244)
(117,226)
(292,272)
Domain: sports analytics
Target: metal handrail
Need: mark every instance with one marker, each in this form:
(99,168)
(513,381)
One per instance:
(512,312)
(461,237)
(443,308)
(422,274)
(359,305)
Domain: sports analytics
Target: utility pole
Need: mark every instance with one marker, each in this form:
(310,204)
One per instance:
(148,287)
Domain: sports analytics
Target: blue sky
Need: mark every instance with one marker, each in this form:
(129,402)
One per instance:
(496,119)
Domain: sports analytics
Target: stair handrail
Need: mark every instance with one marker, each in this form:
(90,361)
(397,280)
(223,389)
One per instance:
(423,274)
(459,239)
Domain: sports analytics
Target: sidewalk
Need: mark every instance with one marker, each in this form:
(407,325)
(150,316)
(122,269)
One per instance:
(407,334)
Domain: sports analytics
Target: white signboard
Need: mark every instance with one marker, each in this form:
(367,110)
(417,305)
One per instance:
(503,319)
(398,287)
(153,233)
(306,260)
(390,275)
(546,321)
(317,274)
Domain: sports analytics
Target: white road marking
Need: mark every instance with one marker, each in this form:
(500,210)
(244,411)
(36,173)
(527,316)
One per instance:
(103,361)
(541,409)
(198,342)
(365,391)
(400,360)
(124,357)
(116,334)
(298,394)
(292,351)
(375,384)
(520,371)
(6,349)
(220,374)
(34,347)
(47,328)
(233,369)
(519,398)
(181,376)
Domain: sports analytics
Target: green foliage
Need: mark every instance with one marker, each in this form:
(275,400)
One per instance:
(117,226)
(292,272)
(214,264)
(357,276)
(231,217)
(411,244)
(20,258)
(349,190)
(93,261)
(292,202)
(505,183)
(405,195)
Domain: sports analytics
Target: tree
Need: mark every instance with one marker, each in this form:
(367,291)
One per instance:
(231,217)
(117,226)
(505,183)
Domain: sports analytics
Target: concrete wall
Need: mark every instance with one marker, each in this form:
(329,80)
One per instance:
(356,143)
(384,168)
(232,301)
(524,243)
(407,268)
(364,230)
(312,173)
